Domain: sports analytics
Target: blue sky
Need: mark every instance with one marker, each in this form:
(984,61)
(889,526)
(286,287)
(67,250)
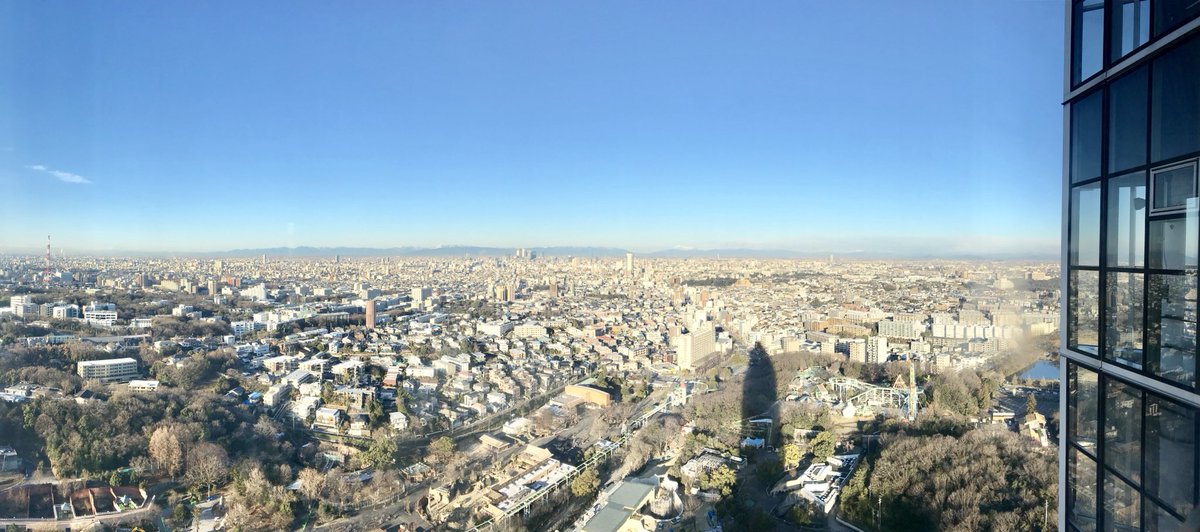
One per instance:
(826,126)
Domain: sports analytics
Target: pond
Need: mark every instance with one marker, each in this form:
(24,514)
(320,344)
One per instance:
(1042,369)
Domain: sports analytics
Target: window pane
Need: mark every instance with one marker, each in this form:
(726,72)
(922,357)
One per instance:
(1085,137)
(1173,242)
(1174,188)
(1082,324)
(1083,398)
(1123,429)
(1169,14)
(1131,26)
(1158,520)
(1081,490)
(1176,103)
(1127,121)
(1122,505)
(1123,326)
(1085,225)
(1088,41)
(1170,453)
(1127,220)
(1171,334)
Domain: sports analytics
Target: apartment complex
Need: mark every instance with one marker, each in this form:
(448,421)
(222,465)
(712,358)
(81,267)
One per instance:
(111,370)
(1131,213)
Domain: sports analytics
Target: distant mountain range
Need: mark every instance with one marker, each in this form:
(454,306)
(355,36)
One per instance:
(562,251)
(481,251)
(585,251)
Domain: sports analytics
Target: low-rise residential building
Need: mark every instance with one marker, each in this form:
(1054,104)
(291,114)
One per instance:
(143,386)
(329,419)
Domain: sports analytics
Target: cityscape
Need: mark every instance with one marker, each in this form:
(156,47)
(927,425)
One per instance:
(527,390)
(620,267)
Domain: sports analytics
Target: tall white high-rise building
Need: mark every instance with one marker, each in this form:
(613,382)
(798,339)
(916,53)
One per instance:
(877,349)
(694,345)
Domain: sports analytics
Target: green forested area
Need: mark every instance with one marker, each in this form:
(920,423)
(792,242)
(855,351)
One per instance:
(943,475)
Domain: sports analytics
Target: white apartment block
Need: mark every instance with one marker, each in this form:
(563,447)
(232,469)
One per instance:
(111,370)
(529,330)
(99,317)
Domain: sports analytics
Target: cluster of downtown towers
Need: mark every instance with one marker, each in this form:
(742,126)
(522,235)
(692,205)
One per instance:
(1131,238)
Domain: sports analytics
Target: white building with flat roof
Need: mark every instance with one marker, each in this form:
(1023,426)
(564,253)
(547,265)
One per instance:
(143,385)
(111,370)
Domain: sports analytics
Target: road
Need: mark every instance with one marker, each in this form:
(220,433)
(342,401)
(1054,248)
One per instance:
(834,524)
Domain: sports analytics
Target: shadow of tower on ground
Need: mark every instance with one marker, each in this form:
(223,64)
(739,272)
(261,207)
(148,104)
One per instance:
(759,397)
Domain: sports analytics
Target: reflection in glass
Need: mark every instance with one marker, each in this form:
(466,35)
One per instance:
(1081,490)
(1171,327)
(1169,14)
(1085,225)
(1131,26)
(1175,103)
(1122,508)
(1084,313)
(1123,429)
(1159,520)
(1173,241)
(1170,453)
(1127,220)
(1088,40)
(1127,117)
(1083,398)
(1085,137)
(1123,323)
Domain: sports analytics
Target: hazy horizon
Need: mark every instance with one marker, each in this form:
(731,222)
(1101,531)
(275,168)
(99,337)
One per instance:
(552,251)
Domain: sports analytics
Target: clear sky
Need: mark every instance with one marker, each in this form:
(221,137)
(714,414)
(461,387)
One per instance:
(927,126)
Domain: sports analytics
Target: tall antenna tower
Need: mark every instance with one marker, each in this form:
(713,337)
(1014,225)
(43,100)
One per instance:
(46,273)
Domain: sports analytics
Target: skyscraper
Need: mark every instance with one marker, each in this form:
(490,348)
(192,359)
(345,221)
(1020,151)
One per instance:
(692,346)
(370,308)
(1131,232)
(628,264)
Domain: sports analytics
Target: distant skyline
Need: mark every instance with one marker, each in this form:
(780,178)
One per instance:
(929,128)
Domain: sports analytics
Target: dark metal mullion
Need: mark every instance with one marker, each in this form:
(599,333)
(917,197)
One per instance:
(1146,369)
(1101,443)
(1102,333)
(1141,485)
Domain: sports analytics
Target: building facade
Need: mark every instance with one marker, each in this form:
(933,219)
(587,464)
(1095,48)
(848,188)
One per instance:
(694,345)
(111,370)
(1132,148)
(369,307)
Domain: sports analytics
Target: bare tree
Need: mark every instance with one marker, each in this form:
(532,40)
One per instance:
(207,464)
(312,483)
(168,448)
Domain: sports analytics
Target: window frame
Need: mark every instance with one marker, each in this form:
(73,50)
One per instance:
(1194,163)
(1076,52)
(1146,396)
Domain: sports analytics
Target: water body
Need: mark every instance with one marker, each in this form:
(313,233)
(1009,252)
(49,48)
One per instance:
(1042,369)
